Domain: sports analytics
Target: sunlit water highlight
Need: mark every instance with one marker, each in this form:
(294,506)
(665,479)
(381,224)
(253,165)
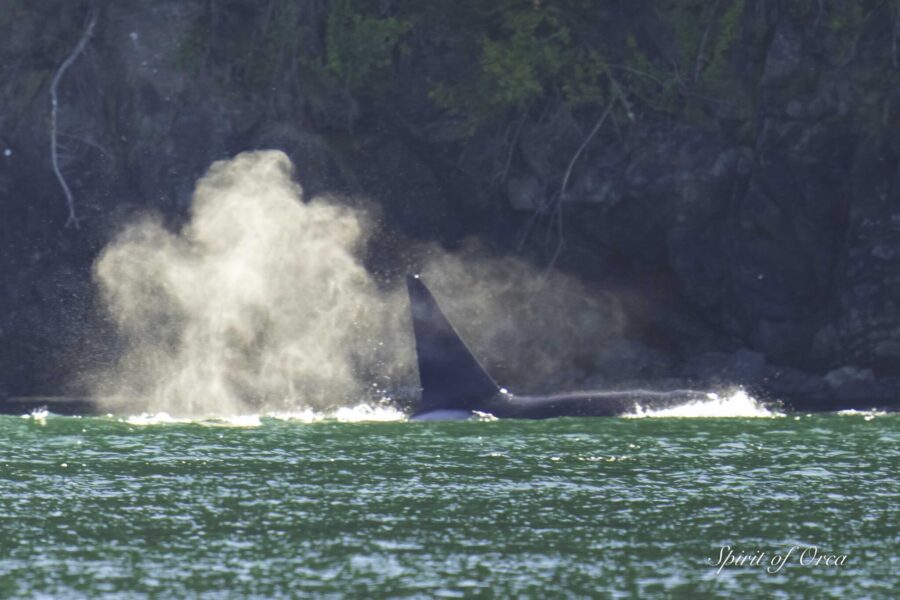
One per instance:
(365,504)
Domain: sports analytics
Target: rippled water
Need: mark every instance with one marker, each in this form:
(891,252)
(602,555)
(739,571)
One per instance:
(568,507)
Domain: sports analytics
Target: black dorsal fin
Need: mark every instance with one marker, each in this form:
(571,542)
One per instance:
(451,377)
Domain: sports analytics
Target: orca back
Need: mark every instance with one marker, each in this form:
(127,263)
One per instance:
(451,377)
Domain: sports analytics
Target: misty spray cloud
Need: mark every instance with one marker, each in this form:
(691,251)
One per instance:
(261,302)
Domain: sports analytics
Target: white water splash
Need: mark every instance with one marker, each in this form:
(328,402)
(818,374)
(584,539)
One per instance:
(163,418)
(153,419)
(868,415)
(38,415)
(361,413)
(477,415)
(736,403)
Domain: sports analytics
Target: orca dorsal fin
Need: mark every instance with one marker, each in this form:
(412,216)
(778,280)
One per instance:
(450,376)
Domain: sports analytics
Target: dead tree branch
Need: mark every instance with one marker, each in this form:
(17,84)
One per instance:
(501,177)
(699,61)
(54,113)
(581,148)
(561,198)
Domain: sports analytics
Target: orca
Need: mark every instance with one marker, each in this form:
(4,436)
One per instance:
(454,385)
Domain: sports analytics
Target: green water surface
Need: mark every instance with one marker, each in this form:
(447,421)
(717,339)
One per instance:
(561,508)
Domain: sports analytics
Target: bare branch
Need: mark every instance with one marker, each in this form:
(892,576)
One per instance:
(511,150)
(560,239)
(698,63)
(620,96)
(54,103)
(584,144)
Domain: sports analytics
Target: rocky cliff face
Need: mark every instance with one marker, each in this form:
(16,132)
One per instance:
(731,168)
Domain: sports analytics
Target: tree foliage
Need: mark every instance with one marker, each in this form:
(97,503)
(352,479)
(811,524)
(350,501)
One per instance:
(530,53)
(360,47)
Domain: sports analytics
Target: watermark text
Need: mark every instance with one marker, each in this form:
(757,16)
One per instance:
(774,562)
